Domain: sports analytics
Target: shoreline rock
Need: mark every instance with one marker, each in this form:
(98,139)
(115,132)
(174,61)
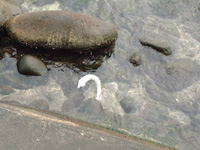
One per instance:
(159,45)
(61,30)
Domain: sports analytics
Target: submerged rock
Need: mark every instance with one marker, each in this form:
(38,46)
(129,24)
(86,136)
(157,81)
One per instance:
(5,13)
(39,104)
(135,59)
(92,107)
(61,30)
(128,105)
(14,7)
(177,75)
(73,104)
(160,34)
(157,44)
(30,65)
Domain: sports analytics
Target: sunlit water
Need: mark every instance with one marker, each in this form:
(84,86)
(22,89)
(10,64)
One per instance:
(162,109)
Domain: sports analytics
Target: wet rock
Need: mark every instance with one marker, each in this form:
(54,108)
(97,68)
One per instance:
(176,75)
(61,30)
(73,104)
(6,90)
(5,14)
(157,44)
(128,105)
(92,107)
(87,64)
(39,104)
(14,7)
(135,59)
(160,34)
(30,65)
(156,113)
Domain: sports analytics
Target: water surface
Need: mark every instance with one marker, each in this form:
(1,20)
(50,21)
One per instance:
(157,101)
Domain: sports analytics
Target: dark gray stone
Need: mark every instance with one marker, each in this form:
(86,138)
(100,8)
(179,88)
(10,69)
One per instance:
(135,59)
(93,108)
(30,65)
(128,105)
(39,104)
(157,44)
(61,30)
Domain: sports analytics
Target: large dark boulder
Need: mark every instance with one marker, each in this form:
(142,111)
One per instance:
(61,30)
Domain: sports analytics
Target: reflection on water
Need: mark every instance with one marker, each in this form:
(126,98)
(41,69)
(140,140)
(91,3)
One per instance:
(158,101)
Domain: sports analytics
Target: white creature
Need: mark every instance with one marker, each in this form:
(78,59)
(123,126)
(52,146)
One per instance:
(88,77)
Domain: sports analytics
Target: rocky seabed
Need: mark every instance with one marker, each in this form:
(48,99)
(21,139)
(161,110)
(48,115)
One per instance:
(157,100)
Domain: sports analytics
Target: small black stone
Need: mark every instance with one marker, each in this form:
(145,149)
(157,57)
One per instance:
(135,59)
(30,65)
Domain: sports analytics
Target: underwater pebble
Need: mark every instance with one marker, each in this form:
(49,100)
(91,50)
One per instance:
(39,104)
(6,90)
(92,107)
(73,104)
(159,45)
(30,65)
(135,59)
(128,105)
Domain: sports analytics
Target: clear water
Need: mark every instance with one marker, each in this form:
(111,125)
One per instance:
(163,92)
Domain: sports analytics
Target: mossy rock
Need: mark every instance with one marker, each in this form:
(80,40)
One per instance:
(61,30)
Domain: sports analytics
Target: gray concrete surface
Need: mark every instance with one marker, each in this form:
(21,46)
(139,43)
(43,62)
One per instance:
(26,129)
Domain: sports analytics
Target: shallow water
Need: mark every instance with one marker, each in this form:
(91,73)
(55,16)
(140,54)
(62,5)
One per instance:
(157,101)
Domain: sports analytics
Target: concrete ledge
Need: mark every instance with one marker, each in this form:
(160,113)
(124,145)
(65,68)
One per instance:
(26,129)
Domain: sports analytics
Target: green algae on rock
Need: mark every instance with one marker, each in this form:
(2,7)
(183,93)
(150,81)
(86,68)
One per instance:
(61,30)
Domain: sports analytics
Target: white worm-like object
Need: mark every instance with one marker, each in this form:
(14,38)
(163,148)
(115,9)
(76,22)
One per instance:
(88,77)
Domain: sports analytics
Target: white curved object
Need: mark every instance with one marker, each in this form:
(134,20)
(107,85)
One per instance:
(88,77)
